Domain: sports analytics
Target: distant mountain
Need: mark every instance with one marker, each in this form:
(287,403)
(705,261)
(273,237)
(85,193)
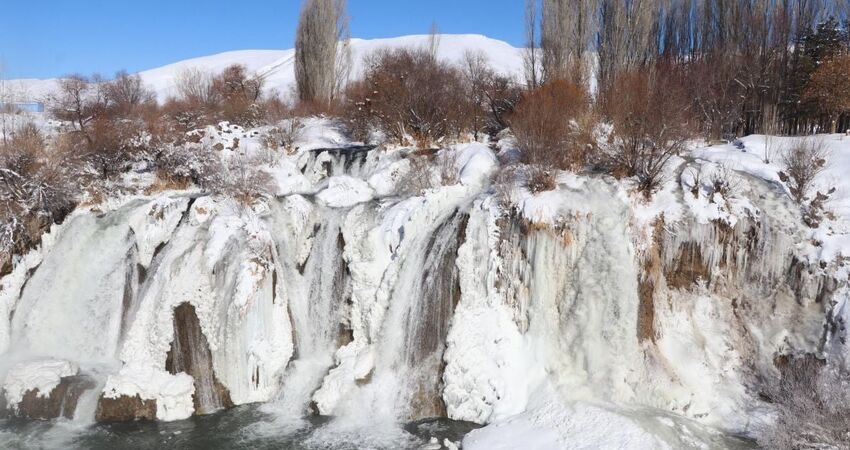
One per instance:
(277,65)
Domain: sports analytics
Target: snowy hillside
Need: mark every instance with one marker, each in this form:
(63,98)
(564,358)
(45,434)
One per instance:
(277,65)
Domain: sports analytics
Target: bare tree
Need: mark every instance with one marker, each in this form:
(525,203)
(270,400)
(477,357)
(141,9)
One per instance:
(316,48)
(343,55)
(434,40)
(531,57)
(567,29)
(126,93)
(627,36)
(195,87)
(76,102)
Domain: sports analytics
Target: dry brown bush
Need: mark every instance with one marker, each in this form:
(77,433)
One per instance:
(649,110)
(540,179)
(551,126)
(408,94)
(204,98)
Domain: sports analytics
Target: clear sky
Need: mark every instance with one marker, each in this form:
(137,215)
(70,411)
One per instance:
(50,38)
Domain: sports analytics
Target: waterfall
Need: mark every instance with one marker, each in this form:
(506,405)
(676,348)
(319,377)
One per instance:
(317,292)
(405,381)
(72,306)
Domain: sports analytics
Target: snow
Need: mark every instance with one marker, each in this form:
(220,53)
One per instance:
(345,192)
(833,234)
(42,375)
(173,393)
(476,163)
(153,227)
(578,426)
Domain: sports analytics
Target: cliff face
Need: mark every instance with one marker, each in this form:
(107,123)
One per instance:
(453,302)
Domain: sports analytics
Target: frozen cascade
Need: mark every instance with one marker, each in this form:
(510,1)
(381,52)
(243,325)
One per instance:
(72,306)
(396,307)
(317,290)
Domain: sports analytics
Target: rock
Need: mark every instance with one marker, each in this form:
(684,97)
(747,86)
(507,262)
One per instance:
(61,402)
(124,409)
(190,354)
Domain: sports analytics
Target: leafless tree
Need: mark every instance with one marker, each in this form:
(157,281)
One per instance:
(126,93)
(626,37)
(343,56)
(195,86)
(316,48)
(531,53)
(649,112)
(77,101)
(567,29)
(434,40)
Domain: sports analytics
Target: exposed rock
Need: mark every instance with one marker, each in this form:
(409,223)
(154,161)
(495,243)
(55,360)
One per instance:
(3,412)
(190,353)
(125,409)
(689,267)
(61,402)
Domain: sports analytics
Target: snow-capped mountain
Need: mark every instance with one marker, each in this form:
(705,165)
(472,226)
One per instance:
(277,65)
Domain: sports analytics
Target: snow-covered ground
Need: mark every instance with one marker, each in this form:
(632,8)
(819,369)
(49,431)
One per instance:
(276,66)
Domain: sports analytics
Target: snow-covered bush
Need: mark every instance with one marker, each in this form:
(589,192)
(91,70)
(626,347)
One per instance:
(283,136)
(240,178)
(37,187)
(812,400)
(802,163)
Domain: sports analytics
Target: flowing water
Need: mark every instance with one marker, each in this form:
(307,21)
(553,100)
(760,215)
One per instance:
(235,428)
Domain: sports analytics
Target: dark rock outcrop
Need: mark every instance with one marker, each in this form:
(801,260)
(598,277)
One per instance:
(190,353)
(60,402)
(125,409)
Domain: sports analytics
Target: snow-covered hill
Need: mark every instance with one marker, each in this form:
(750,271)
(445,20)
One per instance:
(277,65)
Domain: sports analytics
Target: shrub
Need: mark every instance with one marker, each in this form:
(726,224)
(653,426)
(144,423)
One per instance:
(649,111)
(283,136)
(407,94)
(203,98)
(812,401)
(548,125)
(37,188)
(802,163)
(241,178)
(540,179)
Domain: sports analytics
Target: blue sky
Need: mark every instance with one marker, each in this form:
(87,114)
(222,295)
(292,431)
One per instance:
(49,38)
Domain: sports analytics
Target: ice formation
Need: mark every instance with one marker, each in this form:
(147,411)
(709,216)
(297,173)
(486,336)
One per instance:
(576,316)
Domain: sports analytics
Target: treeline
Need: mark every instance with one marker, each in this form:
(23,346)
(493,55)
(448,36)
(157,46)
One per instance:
(752,66)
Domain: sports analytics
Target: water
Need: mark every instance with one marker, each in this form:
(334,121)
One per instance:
(241,427)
